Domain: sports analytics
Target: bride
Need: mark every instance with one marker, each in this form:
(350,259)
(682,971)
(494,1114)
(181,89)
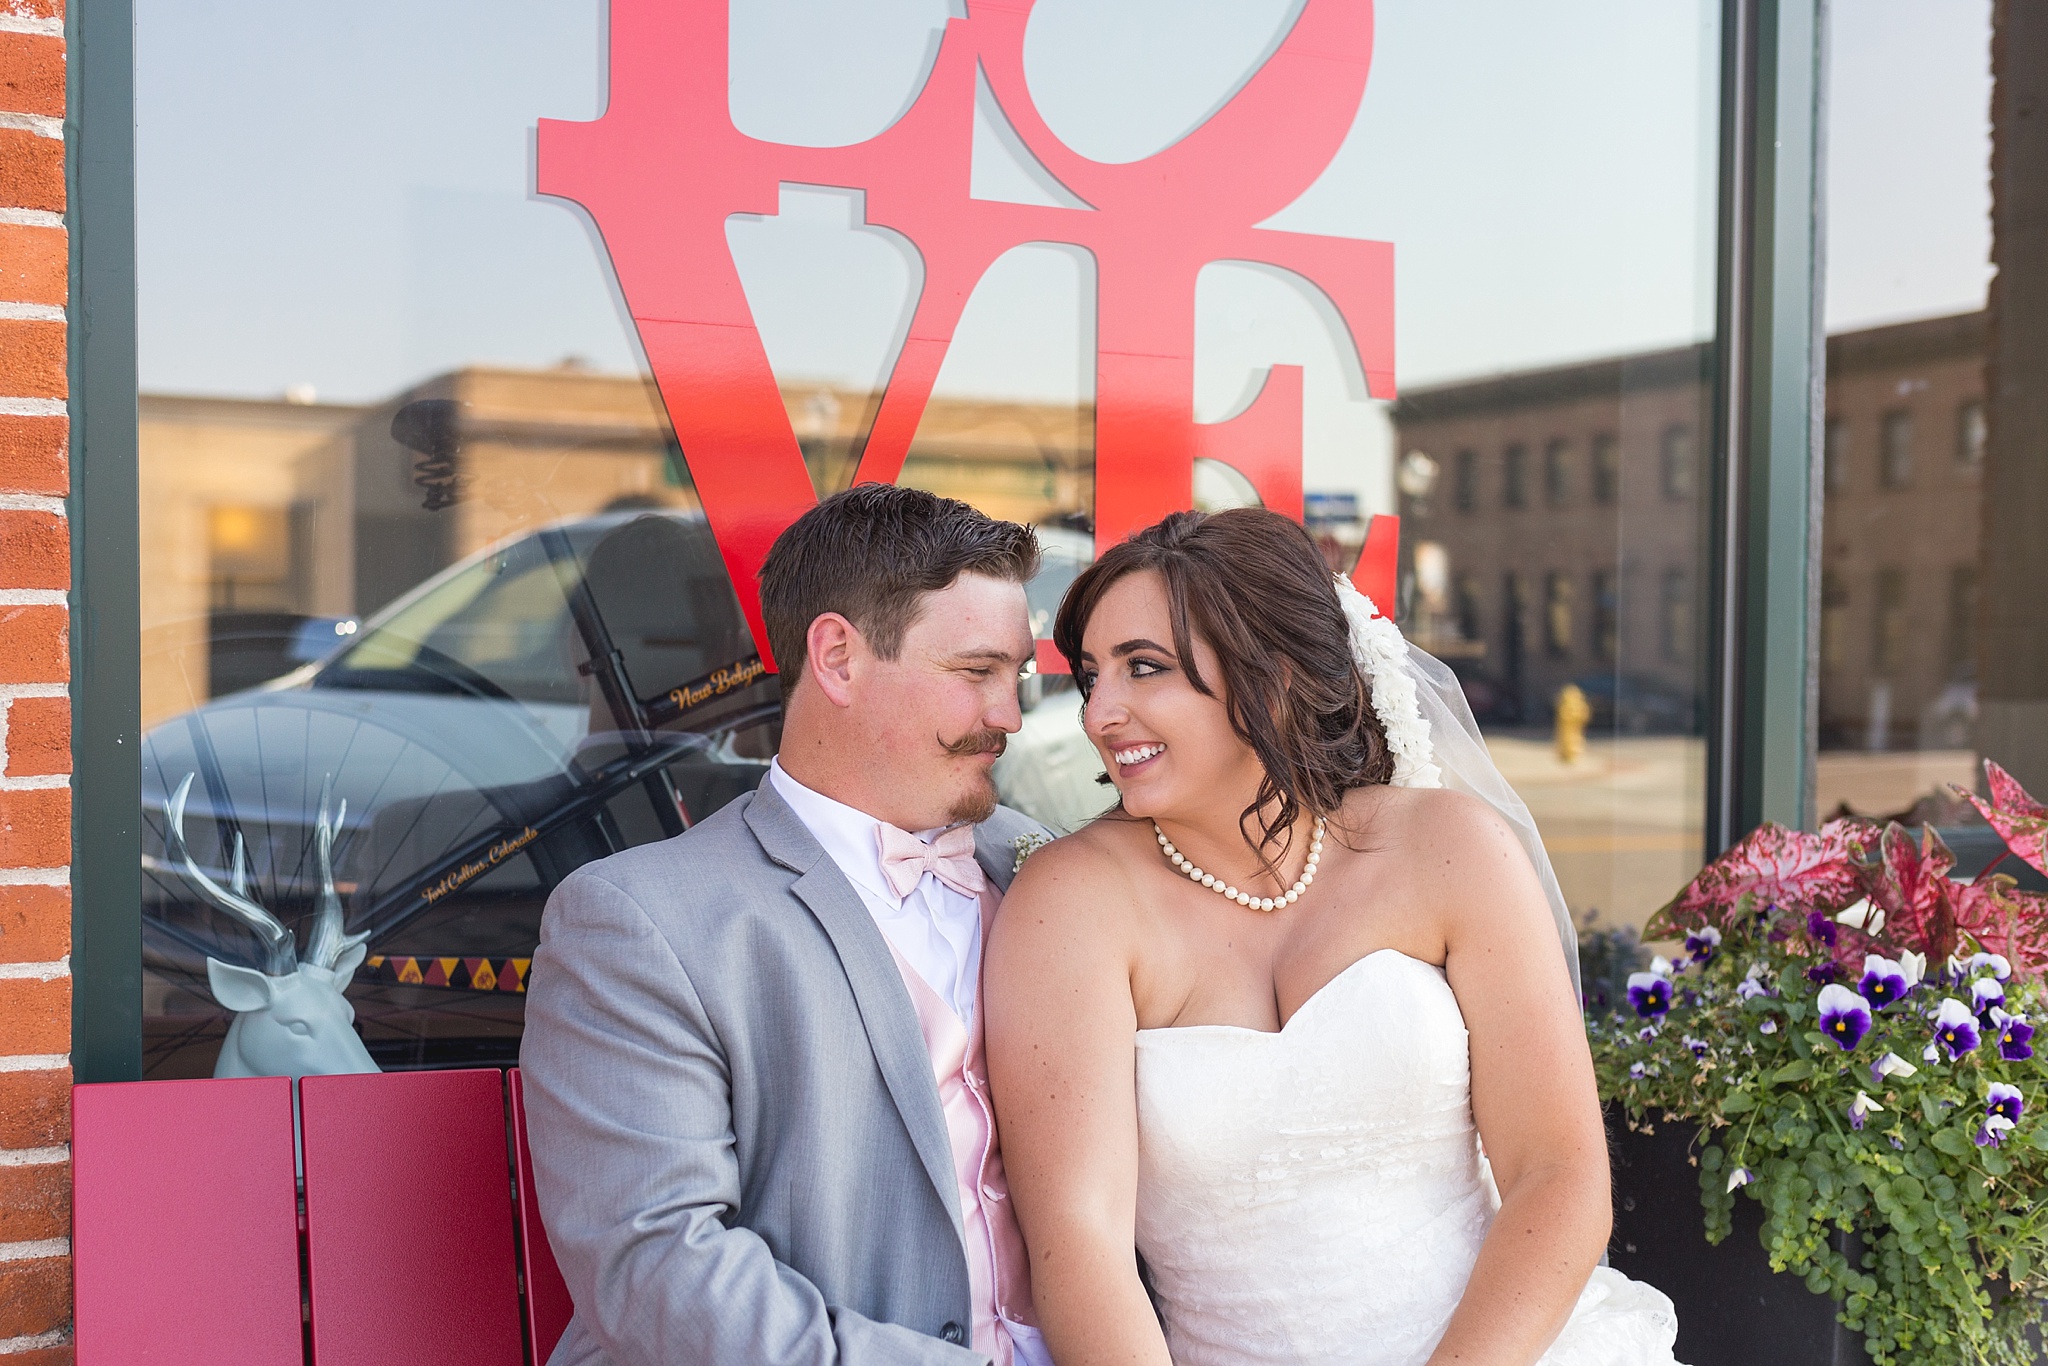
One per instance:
(1261,1020)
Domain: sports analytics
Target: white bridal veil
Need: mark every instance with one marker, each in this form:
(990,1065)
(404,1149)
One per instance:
(1436,741)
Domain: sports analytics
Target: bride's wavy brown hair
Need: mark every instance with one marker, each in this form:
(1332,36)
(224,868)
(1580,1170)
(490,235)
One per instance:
(1253,585)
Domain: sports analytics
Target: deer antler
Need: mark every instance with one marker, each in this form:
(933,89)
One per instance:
(327,943)
(279,951)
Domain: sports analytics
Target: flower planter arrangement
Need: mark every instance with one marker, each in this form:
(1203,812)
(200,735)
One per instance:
(1852,1033)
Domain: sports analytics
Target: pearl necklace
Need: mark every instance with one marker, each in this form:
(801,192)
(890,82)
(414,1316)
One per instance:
(1246,899)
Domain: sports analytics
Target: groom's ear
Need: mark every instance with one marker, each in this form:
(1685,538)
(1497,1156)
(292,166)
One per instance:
(830,649)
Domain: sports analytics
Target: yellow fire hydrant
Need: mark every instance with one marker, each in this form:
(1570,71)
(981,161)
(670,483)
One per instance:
(1573,712)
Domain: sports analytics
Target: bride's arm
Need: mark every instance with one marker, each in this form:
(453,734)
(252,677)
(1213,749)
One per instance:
(1533,1093)
(1061,1054)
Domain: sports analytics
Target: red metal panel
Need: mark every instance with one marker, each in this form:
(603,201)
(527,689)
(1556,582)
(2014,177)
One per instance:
(664,168)
(547,1299)
(185,1230)
(409,1220)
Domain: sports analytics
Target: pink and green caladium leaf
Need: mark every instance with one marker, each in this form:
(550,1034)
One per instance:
(2019,820)
(1913,885)
(1772,865)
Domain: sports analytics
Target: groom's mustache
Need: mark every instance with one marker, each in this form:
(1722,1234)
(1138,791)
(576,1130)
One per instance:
(977,742)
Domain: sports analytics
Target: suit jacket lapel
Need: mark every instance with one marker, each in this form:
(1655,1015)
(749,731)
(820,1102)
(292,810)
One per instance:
(878,990)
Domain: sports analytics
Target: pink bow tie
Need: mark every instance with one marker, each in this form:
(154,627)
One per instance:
(949,858)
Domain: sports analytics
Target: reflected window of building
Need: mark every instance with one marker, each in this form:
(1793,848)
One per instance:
(1962,621)
(1606,468)
(1556,472)
(1514,476)
(1889,627)
(1895,449)
(1834,621)
(1557,614)
(1606,617)
(1465,484)
(1470,626)
(1675,460)
(1835,455)
(1674,616)
(1971,434)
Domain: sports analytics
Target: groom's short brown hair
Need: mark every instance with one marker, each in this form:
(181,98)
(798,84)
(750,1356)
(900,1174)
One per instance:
(869,554)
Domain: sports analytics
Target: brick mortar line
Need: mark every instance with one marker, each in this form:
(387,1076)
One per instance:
(34,407)
(35,313)
(35,1157)
(40,972)
(10,692)
(34,502)
(41,1247)
(42,125)
(32,218)
(36,877)
(56,1337)
(28,23)
(35,782)
(35,1062)
(35,597)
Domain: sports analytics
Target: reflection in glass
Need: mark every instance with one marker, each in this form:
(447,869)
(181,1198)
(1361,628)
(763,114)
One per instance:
(1931,609)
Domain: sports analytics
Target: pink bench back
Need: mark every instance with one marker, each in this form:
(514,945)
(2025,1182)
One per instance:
(185,1239)
(547,1298)
(409,1243)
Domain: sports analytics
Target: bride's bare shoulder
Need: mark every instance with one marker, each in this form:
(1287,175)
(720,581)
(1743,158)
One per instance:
(1080,883)
(1437,832)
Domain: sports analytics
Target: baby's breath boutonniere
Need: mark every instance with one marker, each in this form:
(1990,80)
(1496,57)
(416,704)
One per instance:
(1026,846)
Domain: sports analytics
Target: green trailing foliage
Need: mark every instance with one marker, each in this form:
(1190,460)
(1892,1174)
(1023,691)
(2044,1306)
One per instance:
(1850,1031)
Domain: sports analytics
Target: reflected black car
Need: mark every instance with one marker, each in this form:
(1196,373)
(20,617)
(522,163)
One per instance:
(563,695)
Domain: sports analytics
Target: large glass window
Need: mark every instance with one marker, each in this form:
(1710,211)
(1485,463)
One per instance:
(1933,618)
(442,428)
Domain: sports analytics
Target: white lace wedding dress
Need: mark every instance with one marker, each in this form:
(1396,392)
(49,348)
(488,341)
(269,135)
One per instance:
(1317,1195)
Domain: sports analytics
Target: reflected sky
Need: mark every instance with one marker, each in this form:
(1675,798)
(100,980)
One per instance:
(340,195)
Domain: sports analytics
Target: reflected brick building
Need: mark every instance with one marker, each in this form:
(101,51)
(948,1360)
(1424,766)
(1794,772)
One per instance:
(1560,539)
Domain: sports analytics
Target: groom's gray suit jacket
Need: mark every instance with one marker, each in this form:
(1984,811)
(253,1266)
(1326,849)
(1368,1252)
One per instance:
(737,1139)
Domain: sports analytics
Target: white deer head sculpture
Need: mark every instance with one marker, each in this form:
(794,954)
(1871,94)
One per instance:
(291,1018)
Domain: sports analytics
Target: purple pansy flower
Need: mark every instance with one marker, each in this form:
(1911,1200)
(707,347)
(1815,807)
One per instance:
(1860,1107)
(1820,929)
(1698,1046)
(2001,1099)
(1703,943)
(2003,1106)
(1637,1070)
(1822,973)
(1844,1016)
(2014,1034)
(1752,984)
(1986,995)
(1647,1033)
(1955,1028)
(1890,1065)
(1884,981)
(1741,1176)
(1769,1026)
(2000,968)
(1649,993)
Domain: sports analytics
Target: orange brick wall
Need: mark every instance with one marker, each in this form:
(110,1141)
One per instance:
(35,707)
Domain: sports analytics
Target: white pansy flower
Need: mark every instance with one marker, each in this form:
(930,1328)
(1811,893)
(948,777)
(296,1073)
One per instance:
(1863,916)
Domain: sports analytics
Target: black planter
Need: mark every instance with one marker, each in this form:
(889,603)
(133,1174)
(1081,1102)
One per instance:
(1732,1309)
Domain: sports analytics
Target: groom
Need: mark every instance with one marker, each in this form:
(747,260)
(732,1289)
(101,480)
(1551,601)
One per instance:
(760,1125)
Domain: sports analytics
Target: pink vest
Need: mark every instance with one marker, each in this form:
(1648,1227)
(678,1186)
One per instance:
(997,1269)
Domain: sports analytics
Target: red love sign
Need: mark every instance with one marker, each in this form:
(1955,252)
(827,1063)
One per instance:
(665,167)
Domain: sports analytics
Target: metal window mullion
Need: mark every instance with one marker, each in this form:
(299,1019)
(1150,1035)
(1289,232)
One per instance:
(1764,518)
(106,640)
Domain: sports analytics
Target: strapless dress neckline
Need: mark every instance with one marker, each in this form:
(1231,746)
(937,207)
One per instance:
(1299,1010)
(1316,1193)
